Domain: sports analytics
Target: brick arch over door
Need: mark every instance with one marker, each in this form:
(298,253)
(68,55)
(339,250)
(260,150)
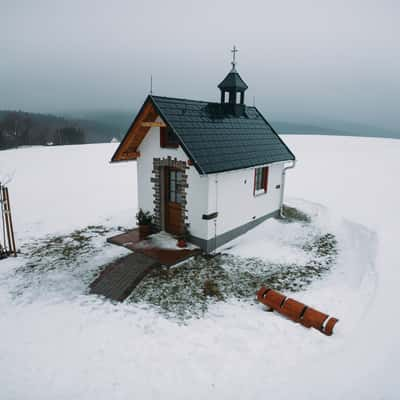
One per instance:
(159,166)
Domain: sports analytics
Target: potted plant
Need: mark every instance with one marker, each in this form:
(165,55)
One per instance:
(144,220)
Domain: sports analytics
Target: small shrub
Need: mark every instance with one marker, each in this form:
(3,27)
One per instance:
(144,217)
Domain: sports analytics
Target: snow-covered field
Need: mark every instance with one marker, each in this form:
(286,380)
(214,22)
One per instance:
(64,344)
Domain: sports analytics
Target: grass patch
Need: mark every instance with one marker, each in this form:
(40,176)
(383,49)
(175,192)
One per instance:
(63,253)
(292,214)
(187,290)
(62,249)
(61,263)
(181,292)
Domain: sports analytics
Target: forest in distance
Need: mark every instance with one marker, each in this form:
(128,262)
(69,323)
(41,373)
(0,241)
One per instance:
(19,128)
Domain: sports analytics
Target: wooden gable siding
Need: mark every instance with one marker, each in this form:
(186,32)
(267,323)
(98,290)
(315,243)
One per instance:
(128,149)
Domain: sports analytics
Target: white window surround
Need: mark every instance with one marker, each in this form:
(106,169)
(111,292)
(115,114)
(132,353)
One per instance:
(260,180)
(259,192)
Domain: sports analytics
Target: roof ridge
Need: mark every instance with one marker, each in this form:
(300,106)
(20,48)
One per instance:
(180,98)
(193,101)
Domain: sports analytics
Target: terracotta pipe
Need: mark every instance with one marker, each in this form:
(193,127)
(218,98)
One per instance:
(296,311)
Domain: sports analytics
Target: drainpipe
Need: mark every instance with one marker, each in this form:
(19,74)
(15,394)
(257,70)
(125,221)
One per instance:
(283,186)
(216,210)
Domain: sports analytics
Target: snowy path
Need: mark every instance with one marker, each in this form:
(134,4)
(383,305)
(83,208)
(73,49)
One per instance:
(71,345)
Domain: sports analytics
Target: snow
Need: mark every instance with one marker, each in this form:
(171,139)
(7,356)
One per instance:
(66,344)
(62,188)
(164,240)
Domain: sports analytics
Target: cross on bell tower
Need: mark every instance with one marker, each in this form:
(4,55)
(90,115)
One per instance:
(233,84)
(234,51)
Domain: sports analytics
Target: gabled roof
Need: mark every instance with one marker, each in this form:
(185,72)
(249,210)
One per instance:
(214,139)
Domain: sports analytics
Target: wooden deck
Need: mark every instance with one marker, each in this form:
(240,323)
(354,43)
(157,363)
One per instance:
(119,278)
(132,240)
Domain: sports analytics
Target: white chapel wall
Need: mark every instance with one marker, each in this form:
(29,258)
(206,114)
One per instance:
(232,196)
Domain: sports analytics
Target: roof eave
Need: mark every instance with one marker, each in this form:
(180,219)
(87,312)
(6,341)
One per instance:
(247,167)
(113,158)
(277,134)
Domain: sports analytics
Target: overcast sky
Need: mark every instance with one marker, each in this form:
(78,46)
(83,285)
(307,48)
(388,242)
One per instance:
(301,59)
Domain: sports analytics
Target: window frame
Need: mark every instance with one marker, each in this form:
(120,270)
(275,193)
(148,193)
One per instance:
(263,180)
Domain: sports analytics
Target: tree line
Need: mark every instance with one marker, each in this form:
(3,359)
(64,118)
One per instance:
(18,128)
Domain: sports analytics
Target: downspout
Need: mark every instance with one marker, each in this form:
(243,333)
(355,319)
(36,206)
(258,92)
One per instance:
(283,186)
(216,210)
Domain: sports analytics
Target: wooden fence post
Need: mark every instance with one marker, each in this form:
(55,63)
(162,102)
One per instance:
(3,247)
(13,249)
(8,230)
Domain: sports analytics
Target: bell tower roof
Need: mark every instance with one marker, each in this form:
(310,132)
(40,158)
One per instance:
(233,85)
(233,81)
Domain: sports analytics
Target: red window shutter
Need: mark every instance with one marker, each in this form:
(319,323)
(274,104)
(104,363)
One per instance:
(266,172)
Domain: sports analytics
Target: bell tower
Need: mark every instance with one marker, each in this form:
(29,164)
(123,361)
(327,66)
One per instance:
(233,85)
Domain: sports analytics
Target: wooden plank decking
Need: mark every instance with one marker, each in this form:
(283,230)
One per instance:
(132,240)
(118,279)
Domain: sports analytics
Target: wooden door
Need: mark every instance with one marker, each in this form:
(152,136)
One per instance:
(173,201)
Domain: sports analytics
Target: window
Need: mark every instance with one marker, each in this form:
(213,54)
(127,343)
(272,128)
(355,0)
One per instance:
(168,138)
(238,97)
(260,180)
(174,192)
